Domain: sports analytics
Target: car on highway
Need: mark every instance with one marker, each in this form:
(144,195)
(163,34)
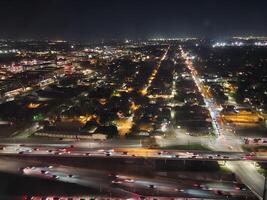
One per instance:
(116,182)
(44,172)
(55,176)
(107,153)
(151,186)
(129,180)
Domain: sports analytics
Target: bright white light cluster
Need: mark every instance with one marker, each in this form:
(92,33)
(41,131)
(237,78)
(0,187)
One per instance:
(251,38)
(219,44)
(173,39)
(224,44)
(9,51)
(237,44)
(260,43)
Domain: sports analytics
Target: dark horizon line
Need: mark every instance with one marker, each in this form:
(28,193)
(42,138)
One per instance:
(131,39)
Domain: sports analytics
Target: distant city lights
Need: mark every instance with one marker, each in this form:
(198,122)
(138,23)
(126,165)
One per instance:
(224,44)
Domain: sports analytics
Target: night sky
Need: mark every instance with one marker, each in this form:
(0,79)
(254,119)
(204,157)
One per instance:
(107,19)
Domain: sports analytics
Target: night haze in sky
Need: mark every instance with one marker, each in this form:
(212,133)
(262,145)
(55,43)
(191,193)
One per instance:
(119,19)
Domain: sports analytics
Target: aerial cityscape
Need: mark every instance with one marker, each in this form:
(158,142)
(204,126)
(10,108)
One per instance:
(121,111)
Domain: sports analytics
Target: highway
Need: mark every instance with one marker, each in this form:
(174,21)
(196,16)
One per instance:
(225,139)
(126,186)
(12,154)
(82,150)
